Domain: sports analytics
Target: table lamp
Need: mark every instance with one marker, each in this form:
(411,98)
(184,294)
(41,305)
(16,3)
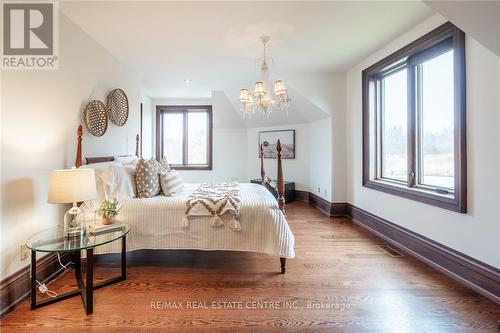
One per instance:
(72,186)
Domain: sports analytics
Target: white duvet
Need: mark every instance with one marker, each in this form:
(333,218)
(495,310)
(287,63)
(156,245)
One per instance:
(157,223)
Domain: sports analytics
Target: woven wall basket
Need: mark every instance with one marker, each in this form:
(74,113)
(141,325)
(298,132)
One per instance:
(96,118)
(117,103)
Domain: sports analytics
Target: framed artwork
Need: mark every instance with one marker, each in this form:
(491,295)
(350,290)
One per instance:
(268,139)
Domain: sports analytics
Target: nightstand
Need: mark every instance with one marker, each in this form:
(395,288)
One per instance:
(289,190)
(53,240)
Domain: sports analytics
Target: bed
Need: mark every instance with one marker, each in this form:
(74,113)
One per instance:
(157,222)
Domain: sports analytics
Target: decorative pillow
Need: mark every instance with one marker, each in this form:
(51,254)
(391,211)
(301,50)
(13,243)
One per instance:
(147,178)
(164,164)
(171,182)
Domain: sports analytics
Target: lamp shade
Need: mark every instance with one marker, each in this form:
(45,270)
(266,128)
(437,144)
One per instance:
(72,185)
(259,89)
(279,88)
(250,100)
(243,95)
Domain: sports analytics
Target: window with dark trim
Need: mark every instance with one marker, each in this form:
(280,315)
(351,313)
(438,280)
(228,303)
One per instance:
(184,136)
(414,139)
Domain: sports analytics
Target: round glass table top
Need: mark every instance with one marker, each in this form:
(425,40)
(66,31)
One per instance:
(54,240)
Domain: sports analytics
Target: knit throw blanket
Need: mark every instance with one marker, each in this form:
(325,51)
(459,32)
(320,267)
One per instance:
(215,200)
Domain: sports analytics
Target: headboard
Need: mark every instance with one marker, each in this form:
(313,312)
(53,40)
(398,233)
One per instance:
(98,159)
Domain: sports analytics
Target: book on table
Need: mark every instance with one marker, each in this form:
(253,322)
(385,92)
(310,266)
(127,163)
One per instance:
(98,227)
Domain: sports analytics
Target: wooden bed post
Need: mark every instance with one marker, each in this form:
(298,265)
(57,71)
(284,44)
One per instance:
(79,134)
(283,265)
(281,198)
(262,172)
(281,182)
(137,138)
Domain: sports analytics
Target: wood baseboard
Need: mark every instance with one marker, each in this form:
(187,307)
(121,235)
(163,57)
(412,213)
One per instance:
(15,289)
(301,196)
(481,277)
(335,209)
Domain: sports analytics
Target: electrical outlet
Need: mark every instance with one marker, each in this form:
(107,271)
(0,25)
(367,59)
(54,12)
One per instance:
(319,190)
(325,192)
(24,252)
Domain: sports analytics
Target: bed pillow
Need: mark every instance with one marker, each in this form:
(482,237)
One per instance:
(119,183)
(164,164)
(171,182)
(99,166)
(100,169)
(147,178)
(126,159)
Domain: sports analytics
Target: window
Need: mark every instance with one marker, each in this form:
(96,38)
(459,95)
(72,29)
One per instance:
(184,136)
(414,121)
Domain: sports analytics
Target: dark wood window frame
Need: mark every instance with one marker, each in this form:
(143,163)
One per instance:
(184,109)
(433,43)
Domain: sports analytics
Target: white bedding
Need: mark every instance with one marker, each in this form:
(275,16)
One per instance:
(157,223)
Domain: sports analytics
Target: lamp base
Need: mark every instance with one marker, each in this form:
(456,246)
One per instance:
(75,232)
(72,227)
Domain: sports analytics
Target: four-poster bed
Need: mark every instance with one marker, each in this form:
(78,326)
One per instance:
(265,227)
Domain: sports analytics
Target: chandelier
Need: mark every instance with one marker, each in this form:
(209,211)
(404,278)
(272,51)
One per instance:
(262,100)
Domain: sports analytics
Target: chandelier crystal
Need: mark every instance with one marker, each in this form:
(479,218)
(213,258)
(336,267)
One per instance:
(262,100)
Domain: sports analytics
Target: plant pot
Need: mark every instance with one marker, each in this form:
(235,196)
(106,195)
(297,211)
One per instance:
(106,220)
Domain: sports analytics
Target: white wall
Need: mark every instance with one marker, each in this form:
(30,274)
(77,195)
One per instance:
(148,126)
(339,147)
(477,232)
(325,95)
(320,159)
(40,114)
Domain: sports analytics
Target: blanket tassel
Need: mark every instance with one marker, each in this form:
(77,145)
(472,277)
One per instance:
(235,224)
(216,221)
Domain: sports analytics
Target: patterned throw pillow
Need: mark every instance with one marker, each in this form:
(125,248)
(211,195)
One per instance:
(147,178)
(171,182)
(164,164)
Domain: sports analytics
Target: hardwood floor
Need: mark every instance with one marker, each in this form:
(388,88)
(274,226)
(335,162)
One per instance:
(341,280)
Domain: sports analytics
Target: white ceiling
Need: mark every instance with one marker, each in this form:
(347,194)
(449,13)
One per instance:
(215,44)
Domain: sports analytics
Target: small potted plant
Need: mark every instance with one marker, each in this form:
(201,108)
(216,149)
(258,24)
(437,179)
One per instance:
(108,210)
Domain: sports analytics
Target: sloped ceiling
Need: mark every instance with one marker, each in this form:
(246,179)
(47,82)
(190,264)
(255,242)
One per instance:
(215,44)
(480,19)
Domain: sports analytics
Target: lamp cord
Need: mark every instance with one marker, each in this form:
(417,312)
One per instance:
(42,287)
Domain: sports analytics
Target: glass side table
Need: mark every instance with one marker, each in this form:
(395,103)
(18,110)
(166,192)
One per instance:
(52,240)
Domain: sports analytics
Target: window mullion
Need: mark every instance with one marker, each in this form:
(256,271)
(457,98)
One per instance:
(159,137)
(411,144)
(185,139)
(380,129)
